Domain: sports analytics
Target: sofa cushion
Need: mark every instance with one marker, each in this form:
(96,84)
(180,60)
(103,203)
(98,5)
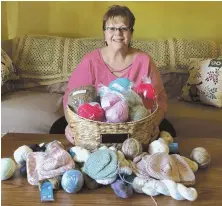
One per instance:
(30,112)
(7,69)
(205,82)
(184,49)
(194,120)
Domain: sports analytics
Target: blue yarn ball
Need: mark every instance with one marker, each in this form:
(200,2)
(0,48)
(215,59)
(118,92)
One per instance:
(120,84)
(72,181)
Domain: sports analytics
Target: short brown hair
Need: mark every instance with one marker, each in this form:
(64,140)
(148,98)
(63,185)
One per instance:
(121,11)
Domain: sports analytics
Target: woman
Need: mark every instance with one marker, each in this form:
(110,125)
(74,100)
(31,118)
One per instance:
(116,59)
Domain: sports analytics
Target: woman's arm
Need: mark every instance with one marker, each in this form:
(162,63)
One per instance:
(81,76)
(154,74)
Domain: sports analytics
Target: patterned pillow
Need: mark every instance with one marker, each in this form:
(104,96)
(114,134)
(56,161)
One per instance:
(204,84)
(7,68)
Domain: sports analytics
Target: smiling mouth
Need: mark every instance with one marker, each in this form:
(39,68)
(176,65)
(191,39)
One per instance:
(118,40)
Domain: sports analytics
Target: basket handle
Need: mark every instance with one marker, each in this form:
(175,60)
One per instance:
(114,138)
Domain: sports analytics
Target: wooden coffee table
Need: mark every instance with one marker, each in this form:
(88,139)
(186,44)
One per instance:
(17,191)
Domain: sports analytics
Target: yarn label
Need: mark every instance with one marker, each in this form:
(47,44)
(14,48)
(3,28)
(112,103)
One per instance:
(46,192)
(79,92)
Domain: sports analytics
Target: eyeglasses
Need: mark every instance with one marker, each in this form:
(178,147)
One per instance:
(121,29)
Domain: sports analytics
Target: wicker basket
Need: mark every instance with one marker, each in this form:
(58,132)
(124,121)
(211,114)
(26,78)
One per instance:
(90,134)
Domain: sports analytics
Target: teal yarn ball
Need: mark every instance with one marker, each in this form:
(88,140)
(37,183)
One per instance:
(120,84)
(7,168)
(72,181)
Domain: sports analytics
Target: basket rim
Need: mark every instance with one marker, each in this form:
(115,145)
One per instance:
(118,123)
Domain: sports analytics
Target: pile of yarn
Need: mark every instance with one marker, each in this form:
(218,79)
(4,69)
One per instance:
(128,170)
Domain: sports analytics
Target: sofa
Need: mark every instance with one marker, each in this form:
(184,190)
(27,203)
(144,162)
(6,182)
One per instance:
(31,98)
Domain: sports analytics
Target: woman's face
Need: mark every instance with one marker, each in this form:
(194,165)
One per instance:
(117,33)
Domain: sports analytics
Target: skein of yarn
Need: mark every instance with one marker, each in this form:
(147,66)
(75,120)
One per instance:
(21,154)
(169,188)
(122,189)
(131,148)
(201,156)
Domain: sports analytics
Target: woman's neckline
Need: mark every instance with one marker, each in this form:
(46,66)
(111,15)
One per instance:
(108,67)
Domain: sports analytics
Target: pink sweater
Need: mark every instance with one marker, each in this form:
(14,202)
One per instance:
(92,70)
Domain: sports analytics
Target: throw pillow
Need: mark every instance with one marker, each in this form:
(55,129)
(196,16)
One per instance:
(7,69)
(204,84)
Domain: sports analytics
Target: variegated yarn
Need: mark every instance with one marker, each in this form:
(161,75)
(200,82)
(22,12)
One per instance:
(201,156)
(131,148)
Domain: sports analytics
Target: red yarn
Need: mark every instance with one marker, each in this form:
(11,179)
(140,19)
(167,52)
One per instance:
(93,112)
(147,92)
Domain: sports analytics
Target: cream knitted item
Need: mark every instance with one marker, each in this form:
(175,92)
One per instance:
(162,166)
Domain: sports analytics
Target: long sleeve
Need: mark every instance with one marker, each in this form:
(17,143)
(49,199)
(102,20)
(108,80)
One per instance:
(154,74)
(81,76)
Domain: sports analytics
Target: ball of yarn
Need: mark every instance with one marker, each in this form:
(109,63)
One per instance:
(89,182)
(82,95)
(21,154)
(166,136)
(72,181)
(109,99)
(159,145)
(23,170)
(119,112)
(7,168)
(91,111)
(138,112)
(146,91)
(122,189)
(201,156)
(131,148)
(120,84)
(132,98)
(79,154)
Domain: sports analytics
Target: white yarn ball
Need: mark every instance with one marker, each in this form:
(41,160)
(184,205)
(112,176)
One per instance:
(7,168)
(80,154)
(21,154)
(159,145)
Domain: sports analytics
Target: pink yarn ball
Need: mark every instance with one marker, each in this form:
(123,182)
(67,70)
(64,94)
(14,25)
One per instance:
(119,112)
(108,100)
(91,111)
